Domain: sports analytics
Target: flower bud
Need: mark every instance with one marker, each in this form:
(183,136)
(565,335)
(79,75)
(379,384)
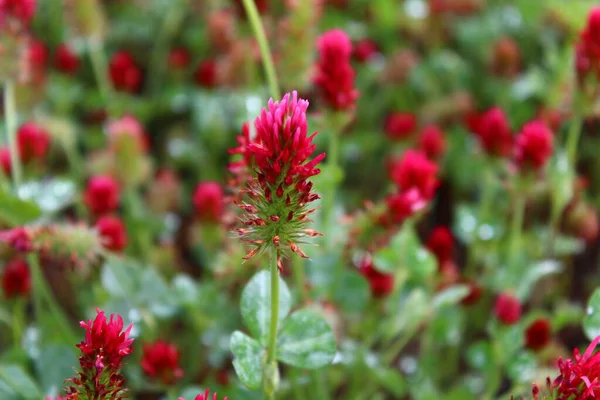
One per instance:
(112,232)
(102,194)
(16,279)
(507,309)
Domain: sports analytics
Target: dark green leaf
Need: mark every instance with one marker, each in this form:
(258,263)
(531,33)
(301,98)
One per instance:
(591,322)
(15,211)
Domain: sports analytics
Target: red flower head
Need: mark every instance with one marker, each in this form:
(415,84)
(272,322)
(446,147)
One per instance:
(112,231)
(205,396)
(102,194)
(277,205)
(124,72)
(590,36)
(179,58)
(20,10)
(534,145)
(16,279)
(403,205)
(538,334)
(103,349)
(579,378)
(65,60)
(441,243)
(494,132)
(5,162)
(414,170)
(37,55)
(400,125)
(33,142)
(507,309)
(208,201)
(206,74)
(125,129)
(335,76)
(365,50)
(584,63)
(381,284)
(475,293)
(161,360)
(432,141)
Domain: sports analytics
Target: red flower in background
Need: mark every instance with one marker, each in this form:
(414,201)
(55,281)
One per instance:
(208,200)
(334,74)
(415,171)
(161,360)
(21,10)
(65,60)
(432,142)
(507,309)
(441,243)
(112,231)
(206,74)
(16,279)
(5,162)
(400,125)
(205,396)
(403,205)
(365,50)
(127,127)
(33,142)
(590,37)
(494,133)
(102,194)
(381,284)
(179,58)
(538,334)
(124,72)
(534,145)
(475,293)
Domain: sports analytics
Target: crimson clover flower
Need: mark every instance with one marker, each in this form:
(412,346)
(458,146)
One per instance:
(278,192)
(161,360)
(103,349)
(205,396)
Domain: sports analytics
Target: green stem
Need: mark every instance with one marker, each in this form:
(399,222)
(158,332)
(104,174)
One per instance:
(135,211)
(159,53)
(321,387)
(274,309)
(263,44)
(10,112)
(77,169)
(515,235)
(18,321)
(99,63)
(487,197)
(41,293)
(574,133)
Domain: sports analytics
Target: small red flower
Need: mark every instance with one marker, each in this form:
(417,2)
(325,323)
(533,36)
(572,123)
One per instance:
(590,37)
(102,194)
(5,161)
(334,74)
(507,309)
(381,284)
(403,205)
(112,231)
(127,127)
(179,58)
(415,171)
(365,50)
(206,74)
(538,334)
(579,378)
(37,55)
(494,132)
(65,60)
(161,360)
(33,142)
(534,145)
(16,279)
(205,396)
(21,10)
(124,72)
(400,125)
(441,243)
(208,201)
(432,142)
(475,293)
(103,349)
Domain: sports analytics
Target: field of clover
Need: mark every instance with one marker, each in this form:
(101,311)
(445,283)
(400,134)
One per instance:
(299,199)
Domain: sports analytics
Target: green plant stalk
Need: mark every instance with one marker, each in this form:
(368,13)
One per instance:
(98,59)
(274,308)
(134,208)
(18,321)
(487,197)
(159,52)
(574,131)
(77,169)
(263,44)
(41,293)
(515,233)
(321,387)
(10,112)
